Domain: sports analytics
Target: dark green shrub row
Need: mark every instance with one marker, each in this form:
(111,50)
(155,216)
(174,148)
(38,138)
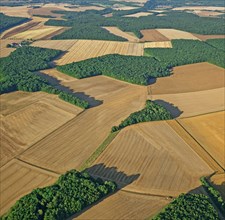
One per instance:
(189,206)
(15,73)
(69,195)
(151,112)
(131,69)
(214,194)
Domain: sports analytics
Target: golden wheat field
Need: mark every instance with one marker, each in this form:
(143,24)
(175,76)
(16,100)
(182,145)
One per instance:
(127,206)
(36,114)
(207,75)
(164,163)
(139,14)
(19,179)
(208,8)
(218,181)
(85,49)
(4,51)
(69,143)
(19,11)
(163,44)
(194,103)
(209,131)
(116,31)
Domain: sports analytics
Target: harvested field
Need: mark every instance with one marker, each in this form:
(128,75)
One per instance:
(20,11)
(85,49)
(164,44)
(108,15)
(123,7)
(139,14)
(127,206)
(69,143)
(152,35)
(19,179)
(195,103)
(207,75)
(207,13)
(208,8)
(209,131)
(218,181)
(45,11)
(4,51)
(36,114)
(64,45)
(206,37)
(172,34)
(116,31)
(165,163)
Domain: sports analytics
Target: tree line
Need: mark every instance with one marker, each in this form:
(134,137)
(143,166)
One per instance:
(16,73)
(133,69)
(151,112)
(69,195)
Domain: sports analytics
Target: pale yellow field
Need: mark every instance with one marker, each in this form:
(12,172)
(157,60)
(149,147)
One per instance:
(73,143)
(55,44)
(36,114)
(209,131)
(20,11)
(165,163)
(116,31)
(139,14)
(208,8)
(18,179)
(85,49)
(207,13)
(195,103)
(124,205)
(176,34)
(4,51)
(163,44)
(123,7)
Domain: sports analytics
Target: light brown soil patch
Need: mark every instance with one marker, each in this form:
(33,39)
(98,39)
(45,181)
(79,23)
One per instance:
(20,11)
(176,34)
(206,37)
(85,49)
(195,103)
(205,75)
(165,162)
(37,115)
(116,31)
(152,35)
(209,131)
(46,11)
(207,13)
(164,44)
(19,179)
(73,143)
(4,51)
(127,206)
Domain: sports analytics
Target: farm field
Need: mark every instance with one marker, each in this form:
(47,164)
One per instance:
(207,75)
(85,49)
(209,131)
(116,31)
(208,8)
(152,35)
(193,103)
(139,14)
(163,44)
(18,179)
(36,114)
(218,181)
(127,206)
(19,11)
(207,13)
(73,146)
(206,37)
(4,51)
(155,149)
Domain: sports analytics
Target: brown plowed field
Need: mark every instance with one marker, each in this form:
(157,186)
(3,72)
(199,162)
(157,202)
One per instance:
(209,131)
(165,162)
(85,49)
(116,31)
(19,179)
(190,78)
(124,205)
(74,142)
(36,115)
(195,103)
(152,35)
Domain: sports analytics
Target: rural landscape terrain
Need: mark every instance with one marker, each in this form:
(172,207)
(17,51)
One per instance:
(112,109)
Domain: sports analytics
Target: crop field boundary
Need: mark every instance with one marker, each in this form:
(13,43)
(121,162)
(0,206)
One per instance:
(99,150)
(207,156)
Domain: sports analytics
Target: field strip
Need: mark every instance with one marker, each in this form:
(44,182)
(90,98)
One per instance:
(195,145)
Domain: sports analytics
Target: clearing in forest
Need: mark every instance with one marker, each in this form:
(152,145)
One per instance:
(207,76)
(137,15)
(36,114)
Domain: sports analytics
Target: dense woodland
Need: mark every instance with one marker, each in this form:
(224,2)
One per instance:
(16,73)
(217,43)
(69,195)
(189,206)
(94,21)
(8,21)
(131,69)
(187,52)
(151,112)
